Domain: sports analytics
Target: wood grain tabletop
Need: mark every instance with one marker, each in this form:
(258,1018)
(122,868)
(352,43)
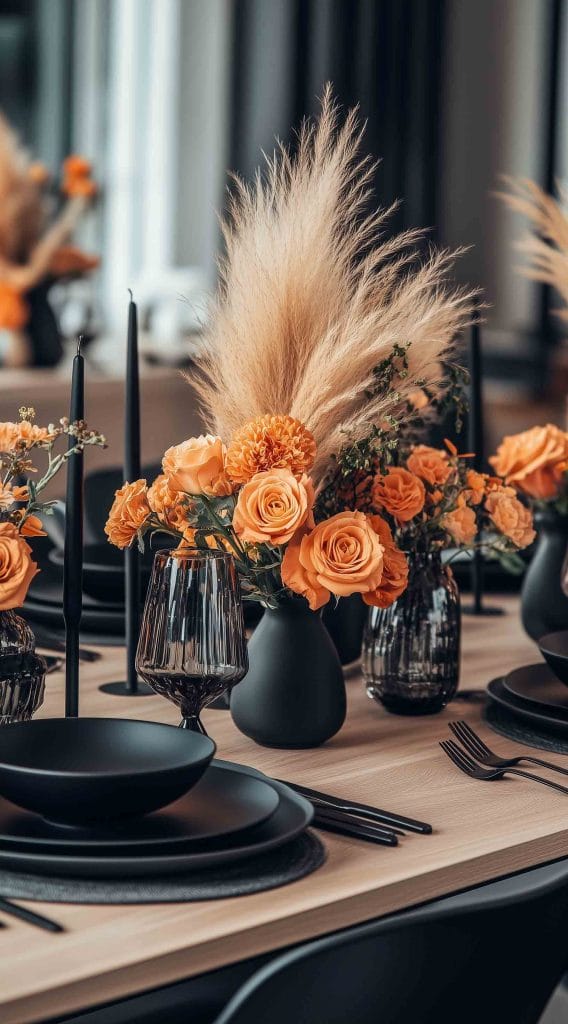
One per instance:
(481,831)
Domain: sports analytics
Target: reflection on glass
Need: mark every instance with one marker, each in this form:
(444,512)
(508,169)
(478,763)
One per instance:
(192,643)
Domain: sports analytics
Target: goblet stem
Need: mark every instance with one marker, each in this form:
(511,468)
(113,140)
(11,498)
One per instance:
(194,723)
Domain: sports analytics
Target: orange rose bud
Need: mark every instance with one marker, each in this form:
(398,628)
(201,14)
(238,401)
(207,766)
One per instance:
(533,461)
(270,442)
(31,526)
(460,524)
(17,568)
(430,464)
(476,485)
(513,519)
(170,506)
(197,466)
(128,513)
(342,555)
(272,507)
(395,568)
(399,492)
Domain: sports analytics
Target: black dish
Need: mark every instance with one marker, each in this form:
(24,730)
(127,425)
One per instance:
(292,816)
(537,685)
(554,647)
(496,692)
(222,803)
(75,771)
(103,571)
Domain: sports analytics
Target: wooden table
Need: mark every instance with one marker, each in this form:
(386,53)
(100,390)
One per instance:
(481,832)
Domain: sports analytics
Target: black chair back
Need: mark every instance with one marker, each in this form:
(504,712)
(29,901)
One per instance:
(492,955)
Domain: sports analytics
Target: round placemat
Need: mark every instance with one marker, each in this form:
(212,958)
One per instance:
(288,864)
(521,731)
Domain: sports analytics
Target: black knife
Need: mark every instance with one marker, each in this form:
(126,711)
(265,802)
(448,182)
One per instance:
(363,810)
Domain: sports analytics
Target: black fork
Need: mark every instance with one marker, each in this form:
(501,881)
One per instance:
(478,749)
(477,771)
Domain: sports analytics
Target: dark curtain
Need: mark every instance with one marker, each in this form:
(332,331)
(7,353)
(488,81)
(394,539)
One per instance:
(383,54)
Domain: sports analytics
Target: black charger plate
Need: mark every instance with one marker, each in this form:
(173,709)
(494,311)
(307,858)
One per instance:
(291,818)
(222,803)
(538,685)
(497,693)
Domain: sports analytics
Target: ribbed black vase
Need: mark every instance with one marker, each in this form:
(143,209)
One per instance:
(293,695)
(543,602)
(411,651)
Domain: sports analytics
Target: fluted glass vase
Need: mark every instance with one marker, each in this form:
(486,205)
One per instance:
(411,651)
(22,671)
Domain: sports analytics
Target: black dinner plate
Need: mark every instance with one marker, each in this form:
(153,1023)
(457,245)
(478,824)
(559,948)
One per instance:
(538,685)
(222,803)
(500,695)
(291,818)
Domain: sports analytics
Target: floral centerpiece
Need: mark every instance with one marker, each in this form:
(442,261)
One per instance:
(21,505)
(534,464)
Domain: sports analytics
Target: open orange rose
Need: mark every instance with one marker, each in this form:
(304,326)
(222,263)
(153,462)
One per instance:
(533,461)
(399,492)
(460,524)
(128,513)
(430,464)
(394,580)
(272,507)
(513,519)
(197,466)
(17,568)
(341,556)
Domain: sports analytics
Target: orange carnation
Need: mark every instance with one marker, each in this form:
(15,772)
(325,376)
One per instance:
(17,568)
(128,513)
(460,524)
(534,461)
(394,580)
(197,466)
(513,519)
(270,442)
(170,506)
(399,492)
(430,464)
(272,507)
(341,556)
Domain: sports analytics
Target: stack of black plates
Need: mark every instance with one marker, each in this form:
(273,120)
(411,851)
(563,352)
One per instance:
(231,814)
(537,694)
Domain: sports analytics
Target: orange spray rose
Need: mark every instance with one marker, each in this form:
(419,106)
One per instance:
(128,513)
(399,492)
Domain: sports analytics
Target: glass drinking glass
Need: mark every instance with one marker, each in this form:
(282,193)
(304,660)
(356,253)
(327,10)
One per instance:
(192,644)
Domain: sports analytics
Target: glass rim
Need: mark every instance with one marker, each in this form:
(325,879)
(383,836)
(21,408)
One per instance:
(190,552)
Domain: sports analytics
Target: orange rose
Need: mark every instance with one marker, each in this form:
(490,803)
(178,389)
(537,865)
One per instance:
(395,568)
(510,516)
(17,568)
(430,464)
(31,526)
(170,506)
(341,556)
(272,507)
(460,524)
(197,466)
(476,485)
(534,461)
(128,514)
(400,493)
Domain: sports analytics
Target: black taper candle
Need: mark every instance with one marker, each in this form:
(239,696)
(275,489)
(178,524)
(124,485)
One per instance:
(476,445)
(131,473)
(73,560)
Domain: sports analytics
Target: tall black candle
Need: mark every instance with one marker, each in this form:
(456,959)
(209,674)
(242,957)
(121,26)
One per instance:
(131,473)
(476,445)
(73,560)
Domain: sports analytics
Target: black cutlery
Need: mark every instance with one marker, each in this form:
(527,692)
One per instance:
(361,810)
(29,916)
(357,829)
(477,771)
(481,752)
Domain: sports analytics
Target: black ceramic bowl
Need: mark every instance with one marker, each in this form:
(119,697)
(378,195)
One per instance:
(554,647)
(76,771)
(103,571)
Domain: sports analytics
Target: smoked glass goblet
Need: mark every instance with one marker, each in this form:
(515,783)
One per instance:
(192,644)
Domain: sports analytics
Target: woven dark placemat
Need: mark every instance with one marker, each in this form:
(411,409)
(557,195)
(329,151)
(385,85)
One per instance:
(288,864)
(521,731)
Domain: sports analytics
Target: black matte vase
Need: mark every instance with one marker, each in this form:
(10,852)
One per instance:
(543,602)
(345,622)
(411,650)
(293,695)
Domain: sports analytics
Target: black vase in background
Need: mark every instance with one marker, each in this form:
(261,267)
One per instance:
(345,622)
(411,651)
(293,695)
(544,604)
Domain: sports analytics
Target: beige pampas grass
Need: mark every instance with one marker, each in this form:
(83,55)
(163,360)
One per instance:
(313,297)
(547,248)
